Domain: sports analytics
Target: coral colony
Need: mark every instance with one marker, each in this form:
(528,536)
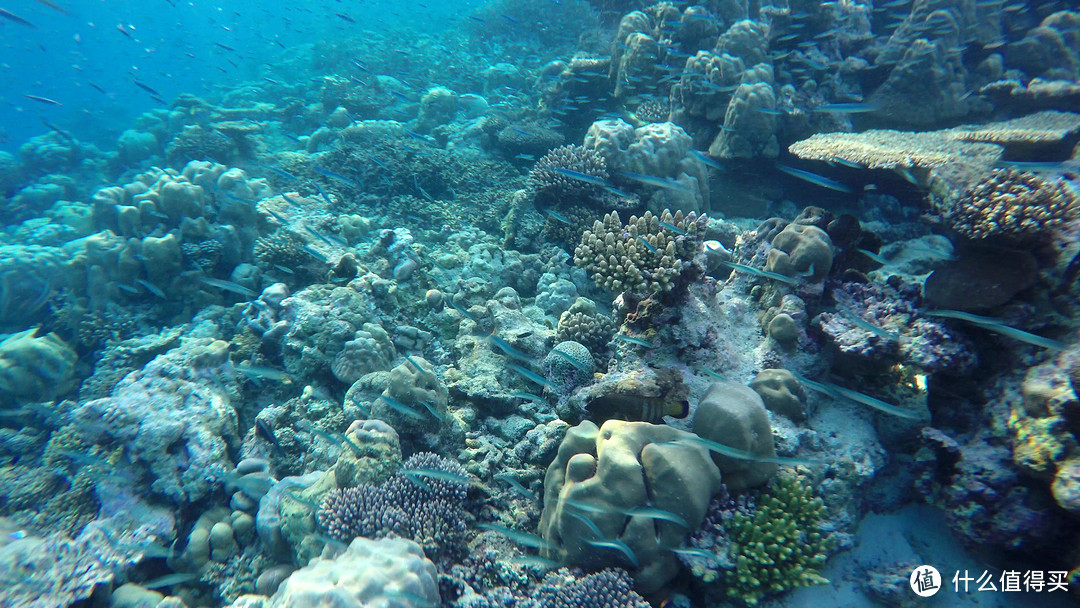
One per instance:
(587,303)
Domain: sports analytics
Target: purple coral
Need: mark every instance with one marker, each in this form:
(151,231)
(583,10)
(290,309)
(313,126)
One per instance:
(984,499)
(893,309)
(566,588)
(426,509)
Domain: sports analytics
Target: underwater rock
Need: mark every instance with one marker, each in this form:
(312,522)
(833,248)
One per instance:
(601,474)
(981,279)
(35,368)
(136,146)
(801,250)
(1050,50)
(734,415)
(176,418)
(783,329)
(659,150)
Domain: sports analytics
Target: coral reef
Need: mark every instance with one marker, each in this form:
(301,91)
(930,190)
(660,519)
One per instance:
(416,503)
(175,417)
(35,368)
(733,415)
(390,571)
(779,544)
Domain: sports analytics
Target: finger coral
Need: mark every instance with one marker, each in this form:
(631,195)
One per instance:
(642,257)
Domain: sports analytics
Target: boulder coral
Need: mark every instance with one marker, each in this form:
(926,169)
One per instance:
(734,415)
(601,475)
(386,572)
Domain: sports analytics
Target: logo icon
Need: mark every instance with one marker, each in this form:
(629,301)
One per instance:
(925,581)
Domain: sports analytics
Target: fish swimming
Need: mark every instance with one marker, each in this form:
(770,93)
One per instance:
(996,326)
(636,408)
(766,274)
(839,392)
(531,375)
(633,340)
(16,19)
(228,286)
(814,178)
(581,177)
(510,351)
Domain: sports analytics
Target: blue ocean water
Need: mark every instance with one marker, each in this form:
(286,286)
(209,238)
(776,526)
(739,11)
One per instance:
(173,47)
(539,303)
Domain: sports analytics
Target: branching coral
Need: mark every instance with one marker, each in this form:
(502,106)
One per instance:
(642,257)
(549,183)
(1014,204)
(778,546)
(415,503)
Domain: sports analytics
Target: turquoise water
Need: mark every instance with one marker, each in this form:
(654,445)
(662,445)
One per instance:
(539,304)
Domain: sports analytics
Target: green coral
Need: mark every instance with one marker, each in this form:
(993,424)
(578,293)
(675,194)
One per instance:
(779,545)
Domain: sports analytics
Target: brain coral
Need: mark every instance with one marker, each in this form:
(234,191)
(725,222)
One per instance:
(391,572)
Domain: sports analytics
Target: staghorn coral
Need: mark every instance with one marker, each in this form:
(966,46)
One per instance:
(610,588)
(778,545)
(565,588)
(641,257)
(1013,204)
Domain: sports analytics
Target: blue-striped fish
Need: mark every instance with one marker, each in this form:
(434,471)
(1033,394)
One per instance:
(510,351)
(581,177)
(531,375)
(996,326)
(839,392)
(814,178)
(765,274)
(615,545)
(652,180)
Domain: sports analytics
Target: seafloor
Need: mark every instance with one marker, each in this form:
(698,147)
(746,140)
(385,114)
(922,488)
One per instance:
(581,305)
